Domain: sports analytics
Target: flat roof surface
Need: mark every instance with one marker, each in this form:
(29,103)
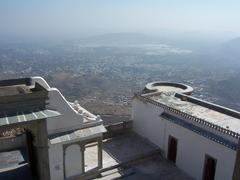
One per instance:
(76,134)
(168,89)
(20,117)
(218,118)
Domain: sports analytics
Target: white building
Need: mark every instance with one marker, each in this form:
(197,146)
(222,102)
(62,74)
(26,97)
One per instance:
(201,138)
(57,130)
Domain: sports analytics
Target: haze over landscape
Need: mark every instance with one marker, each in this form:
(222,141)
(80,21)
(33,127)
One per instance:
(101,52)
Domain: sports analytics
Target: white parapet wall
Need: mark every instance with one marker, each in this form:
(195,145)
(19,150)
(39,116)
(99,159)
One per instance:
(69,119)
(191,147)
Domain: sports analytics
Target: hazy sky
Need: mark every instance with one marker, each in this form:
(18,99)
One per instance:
(78,17)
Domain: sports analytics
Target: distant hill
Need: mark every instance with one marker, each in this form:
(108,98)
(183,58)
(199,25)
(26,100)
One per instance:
(232,47)
(227,54)
(120,39)
(227,91)
(234,42)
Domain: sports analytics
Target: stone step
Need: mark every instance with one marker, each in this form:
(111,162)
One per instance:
(116,173)
(123,165)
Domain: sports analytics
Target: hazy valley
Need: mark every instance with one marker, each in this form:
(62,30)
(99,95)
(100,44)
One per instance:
(103,72)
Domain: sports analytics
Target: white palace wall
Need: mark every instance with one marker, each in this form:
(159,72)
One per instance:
(191,147)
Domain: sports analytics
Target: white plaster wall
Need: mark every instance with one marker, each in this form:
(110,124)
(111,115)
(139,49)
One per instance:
(73,161)
(191,146)
(146,122)
(191,151)
(56,161)
(69,118)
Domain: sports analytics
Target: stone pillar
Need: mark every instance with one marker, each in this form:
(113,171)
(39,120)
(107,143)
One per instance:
(236,172)
(41,144)
(64,165)
(82,149)
(100,156)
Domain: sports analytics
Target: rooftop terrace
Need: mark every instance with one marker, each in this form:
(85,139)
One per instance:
(168,87)
(212,113)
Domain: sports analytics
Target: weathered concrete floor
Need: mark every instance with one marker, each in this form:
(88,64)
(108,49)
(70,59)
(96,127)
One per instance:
(115,151)
(13,165)
(118,149)
(156,169)
(127,147)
